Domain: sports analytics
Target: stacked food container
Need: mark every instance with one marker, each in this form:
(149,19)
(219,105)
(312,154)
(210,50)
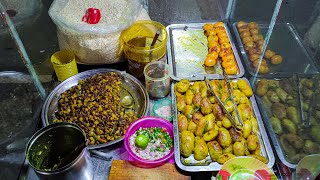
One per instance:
(285,88)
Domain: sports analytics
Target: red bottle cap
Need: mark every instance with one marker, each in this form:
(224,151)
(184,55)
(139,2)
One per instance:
(92,16)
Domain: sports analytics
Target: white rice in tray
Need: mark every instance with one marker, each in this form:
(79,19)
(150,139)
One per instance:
(148,153)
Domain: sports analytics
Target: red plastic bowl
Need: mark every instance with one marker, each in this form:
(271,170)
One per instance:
(147,122)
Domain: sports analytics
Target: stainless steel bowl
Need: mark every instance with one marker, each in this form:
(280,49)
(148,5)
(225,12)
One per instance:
(59,144)
(130,86)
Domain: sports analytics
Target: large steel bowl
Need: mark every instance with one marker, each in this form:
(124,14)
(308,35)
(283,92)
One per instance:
(130,86)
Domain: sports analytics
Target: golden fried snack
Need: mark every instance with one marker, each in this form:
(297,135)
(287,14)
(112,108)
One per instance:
(241,24)
(208,27)
(253,25)
(276,59)
(269,54)
(254,31)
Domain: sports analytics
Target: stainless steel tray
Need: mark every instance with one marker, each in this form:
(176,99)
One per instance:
(274,138)
(286,42)
(266,148)
(130,86)
(187,49)
(273,135)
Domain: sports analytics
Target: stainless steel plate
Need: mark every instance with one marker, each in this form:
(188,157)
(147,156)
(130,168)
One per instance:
(187,49)
(207,164)
(286,42)
(274,137)
(130,86)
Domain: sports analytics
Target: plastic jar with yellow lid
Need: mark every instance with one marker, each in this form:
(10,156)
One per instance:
(136,42)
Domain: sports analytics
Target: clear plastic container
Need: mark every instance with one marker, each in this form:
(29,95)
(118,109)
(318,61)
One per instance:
(93,43)
(157,79)
(147,122)
(162,108)
(137,48)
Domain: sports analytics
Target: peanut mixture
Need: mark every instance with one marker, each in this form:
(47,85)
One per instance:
(94,105)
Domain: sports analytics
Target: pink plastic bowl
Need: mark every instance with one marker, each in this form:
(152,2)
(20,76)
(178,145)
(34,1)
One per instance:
(147,122)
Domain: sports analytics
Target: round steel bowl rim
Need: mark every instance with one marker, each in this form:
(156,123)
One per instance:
(46,129)
(44,114)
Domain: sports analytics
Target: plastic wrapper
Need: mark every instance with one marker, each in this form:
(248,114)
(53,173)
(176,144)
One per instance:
(94,43)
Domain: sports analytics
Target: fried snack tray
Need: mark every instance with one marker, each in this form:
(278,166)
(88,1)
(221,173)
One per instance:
(191,165)
(286,42)
(187,49)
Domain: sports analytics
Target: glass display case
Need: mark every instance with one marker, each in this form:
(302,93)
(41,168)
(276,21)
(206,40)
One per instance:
(276,41)
(25,78)
(279,49)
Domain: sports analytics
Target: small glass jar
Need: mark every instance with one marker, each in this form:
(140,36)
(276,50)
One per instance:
(157,79)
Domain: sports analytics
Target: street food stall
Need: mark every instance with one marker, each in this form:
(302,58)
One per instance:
(139,89)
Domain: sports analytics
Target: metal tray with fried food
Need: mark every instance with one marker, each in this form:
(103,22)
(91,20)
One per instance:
(187,113)
(187,50)
(292,120)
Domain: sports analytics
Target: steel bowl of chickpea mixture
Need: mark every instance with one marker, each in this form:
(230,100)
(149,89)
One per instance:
(103,102)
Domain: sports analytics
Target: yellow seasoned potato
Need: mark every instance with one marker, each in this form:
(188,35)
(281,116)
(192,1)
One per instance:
(229,106)
(212,134)
(196,117)
(186,143)
(253,142)
(212,99)
(226,122)
(210,119)
(215,150)
(224,137)
(239,97)
(238,149)
(245,145)
(228,149)
(245,87)
(219,124)
(245,111)
(195,87)
(224,97)
(200,150)
(206,107)
(257,151)
(225,157)
(247,127)
(201,127)
(255,126)
(182,86)
(235,134)
(217,111)
(182,123)
(188,97)
(192,126)
(181,102)
(196,100)
(204,91)
(188,111)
